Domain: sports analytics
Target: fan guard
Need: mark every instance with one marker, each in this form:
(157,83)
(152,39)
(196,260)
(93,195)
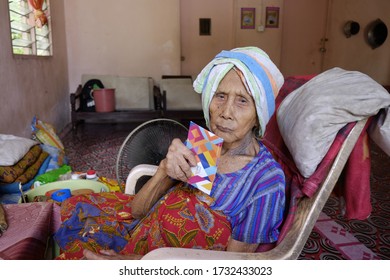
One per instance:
(147,144)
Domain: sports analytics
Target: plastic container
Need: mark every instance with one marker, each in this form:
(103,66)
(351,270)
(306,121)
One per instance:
(91,175)
(73,185)
(104,100)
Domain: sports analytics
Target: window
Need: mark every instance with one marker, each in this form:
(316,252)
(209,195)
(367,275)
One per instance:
(30,27)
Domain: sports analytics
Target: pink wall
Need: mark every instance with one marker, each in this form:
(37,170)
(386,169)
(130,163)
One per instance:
(130,38)
(33,85)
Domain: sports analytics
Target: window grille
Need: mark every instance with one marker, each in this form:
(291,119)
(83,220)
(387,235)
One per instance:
(28,35)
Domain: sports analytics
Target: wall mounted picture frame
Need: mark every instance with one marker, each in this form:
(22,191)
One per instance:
(272,17)
(248,18)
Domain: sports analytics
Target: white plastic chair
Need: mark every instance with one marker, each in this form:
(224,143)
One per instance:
(306,215)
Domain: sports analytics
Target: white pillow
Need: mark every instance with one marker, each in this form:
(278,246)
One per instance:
(13,148)
(310,117)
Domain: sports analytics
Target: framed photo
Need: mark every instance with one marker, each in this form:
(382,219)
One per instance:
(248,18)
(272,17)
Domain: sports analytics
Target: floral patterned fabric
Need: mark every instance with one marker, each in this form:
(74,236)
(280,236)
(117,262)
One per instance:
(9,174)
(182,218)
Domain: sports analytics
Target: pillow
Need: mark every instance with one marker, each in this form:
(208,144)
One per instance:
(13,148)
(310,117)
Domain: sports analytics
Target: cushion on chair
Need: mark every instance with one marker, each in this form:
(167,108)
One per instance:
(178,81)
(182,97)
(180,94)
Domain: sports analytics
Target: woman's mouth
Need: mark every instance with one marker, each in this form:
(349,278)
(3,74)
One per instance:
(224,129)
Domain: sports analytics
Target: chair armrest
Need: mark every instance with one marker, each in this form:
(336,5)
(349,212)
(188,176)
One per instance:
(136,173)
(74,97)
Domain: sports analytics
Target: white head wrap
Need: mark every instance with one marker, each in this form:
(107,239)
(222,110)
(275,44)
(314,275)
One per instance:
(261,78)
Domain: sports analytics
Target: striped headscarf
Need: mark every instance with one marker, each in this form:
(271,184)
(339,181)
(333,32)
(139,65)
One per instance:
(261,77)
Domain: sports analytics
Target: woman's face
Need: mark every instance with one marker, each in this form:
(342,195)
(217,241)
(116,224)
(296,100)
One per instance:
(232,110)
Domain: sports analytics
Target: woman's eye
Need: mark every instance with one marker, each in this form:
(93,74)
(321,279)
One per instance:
(220,95)
(243,100)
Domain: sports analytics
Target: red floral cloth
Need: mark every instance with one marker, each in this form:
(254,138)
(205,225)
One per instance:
(182,218)
(94,221)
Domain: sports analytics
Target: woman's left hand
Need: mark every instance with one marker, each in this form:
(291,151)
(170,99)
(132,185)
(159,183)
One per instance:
(109,255)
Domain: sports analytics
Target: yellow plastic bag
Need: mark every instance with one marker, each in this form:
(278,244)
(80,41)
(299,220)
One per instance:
(112,184)
(45,133)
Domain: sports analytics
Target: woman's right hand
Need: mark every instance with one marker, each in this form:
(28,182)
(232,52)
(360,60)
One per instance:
(179,161)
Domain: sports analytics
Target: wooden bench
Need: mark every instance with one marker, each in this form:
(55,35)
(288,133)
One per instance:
(137,99)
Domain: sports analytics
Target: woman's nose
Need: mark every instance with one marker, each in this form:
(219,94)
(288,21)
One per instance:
(227,110)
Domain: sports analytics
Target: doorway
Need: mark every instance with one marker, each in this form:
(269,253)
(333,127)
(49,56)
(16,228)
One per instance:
(197,48)
(304,39)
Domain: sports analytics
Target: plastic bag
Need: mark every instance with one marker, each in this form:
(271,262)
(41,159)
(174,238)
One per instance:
(52,176)
(45,133)
(58,157)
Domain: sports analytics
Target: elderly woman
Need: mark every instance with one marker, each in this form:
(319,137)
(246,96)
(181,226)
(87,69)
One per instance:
(246,204)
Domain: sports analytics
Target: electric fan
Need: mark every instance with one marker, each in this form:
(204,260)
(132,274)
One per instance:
(147,144)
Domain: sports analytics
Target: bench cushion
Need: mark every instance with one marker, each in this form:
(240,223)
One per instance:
(180,94)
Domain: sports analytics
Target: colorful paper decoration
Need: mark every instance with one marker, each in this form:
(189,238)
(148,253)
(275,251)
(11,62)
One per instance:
(207,148)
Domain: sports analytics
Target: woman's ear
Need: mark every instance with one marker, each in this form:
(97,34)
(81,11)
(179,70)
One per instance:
(256,130)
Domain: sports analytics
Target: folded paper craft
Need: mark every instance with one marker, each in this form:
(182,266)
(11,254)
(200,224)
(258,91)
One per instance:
(207,148)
